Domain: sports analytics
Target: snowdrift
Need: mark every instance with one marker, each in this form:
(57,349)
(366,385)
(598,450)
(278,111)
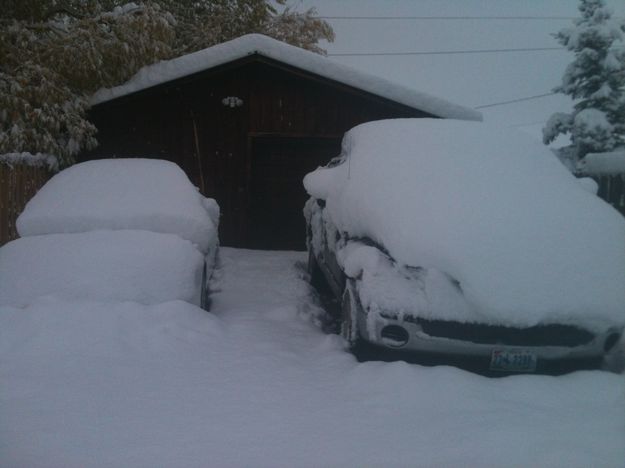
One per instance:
(107,266)
(488,206)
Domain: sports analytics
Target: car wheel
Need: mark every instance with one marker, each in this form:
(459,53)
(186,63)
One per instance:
(349,310)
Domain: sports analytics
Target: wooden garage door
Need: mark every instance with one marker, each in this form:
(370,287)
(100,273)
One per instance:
(277,196)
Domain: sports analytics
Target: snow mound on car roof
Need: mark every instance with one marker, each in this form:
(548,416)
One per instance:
(488,206)
(148,194)
(107,266)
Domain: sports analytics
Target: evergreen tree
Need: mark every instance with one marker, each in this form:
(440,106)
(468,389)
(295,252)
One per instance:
(596,80)
(54,54)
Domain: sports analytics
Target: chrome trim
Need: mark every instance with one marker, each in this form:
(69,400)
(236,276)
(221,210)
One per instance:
(419,341)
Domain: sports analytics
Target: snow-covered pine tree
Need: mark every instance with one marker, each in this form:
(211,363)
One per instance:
(596,80)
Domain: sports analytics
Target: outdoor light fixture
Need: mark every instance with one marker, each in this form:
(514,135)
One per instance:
(232,101)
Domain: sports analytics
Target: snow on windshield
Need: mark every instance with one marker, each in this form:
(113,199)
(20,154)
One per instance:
(488,206)
(148,194)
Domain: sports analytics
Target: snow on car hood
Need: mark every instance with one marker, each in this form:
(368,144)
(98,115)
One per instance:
(488,206)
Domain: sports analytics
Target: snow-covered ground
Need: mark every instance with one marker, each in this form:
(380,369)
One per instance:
(256,383)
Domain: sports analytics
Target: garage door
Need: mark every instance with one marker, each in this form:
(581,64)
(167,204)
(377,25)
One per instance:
(277,196)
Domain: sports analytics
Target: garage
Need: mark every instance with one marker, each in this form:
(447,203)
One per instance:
(276,193)
(246,120)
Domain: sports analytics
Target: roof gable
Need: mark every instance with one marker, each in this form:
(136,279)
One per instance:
(257,44)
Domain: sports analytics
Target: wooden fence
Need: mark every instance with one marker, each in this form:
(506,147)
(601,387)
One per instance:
(611,189)
(18,184)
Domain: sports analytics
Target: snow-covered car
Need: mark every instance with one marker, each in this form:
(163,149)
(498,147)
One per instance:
(460,239)
(113,230)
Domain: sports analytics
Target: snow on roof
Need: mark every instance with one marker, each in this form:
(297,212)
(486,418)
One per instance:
(162,72)
(603,163)
(48,161)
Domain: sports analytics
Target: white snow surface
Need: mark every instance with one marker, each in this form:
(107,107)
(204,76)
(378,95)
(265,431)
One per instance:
(387,287)
(146,194)
(589,184)
(603,163)
(251,44)
(491,208)
(256,383)
(138,266)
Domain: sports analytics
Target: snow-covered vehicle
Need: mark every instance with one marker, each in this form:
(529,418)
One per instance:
(113,230)
(458,239)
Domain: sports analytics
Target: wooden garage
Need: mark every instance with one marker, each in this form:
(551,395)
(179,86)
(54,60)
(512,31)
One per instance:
(247,120)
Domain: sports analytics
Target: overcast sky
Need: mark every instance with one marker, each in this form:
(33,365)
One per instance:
(471,79)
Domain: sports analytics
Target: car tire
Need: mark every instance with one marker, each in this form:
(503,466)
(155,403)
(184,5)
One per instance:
(349,309)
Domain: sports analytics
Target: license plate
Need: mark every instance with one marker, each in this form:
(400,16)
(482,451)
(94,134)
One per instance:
(513,360)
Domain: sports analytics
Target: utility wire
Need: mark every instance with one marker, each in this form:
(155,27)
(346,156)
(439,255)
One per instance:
(454,18)
(444,52)
(538,96)
(527,124)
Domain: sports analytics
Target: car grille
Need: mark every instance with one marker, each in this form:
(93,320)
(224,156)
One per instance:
(540,335)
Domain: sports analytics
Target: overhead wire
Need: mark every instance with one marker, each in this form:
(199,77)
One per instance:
(457,52)
(512,101)
(444,52)
(443,18)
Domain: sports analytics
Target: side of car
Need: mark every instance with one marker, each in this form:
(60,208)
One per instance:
(551,348)
(114,230)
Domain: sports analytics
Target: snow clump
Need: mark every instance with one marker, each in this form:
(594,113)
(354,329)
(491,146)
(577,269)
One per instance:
(48,161)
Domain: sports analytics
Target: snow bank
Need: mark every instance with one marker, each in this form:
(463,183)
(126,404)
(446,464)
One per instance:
(82,328)
(251,44)
(147,194)
(603,163)
(138,266)
(37,160)
(525,241)
(255,385)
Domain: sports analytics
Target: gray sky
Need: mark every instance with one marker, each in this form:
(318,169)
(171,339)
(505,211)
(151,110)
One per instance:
(471,79)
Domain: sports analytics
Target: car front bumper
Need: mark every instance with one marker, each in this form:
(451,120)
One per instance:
(408,336)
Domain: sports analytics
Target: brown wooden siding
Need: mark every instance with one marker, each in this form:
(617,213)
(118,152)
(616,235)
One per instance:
(185,122)
(18,184)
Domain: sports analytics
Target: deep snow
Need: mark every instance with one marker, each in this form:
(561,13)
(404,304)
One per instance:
(611,163)
(488,206)
(135,193)
(256,383)
(109,266)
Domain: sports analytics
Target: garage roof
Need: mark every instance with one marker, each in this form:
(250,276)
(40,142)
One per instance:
(257,44)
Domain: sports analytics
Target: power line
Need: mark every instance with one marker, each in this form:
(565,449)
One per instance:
(453,18)
(445,52)
(527,124)
(538,96)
